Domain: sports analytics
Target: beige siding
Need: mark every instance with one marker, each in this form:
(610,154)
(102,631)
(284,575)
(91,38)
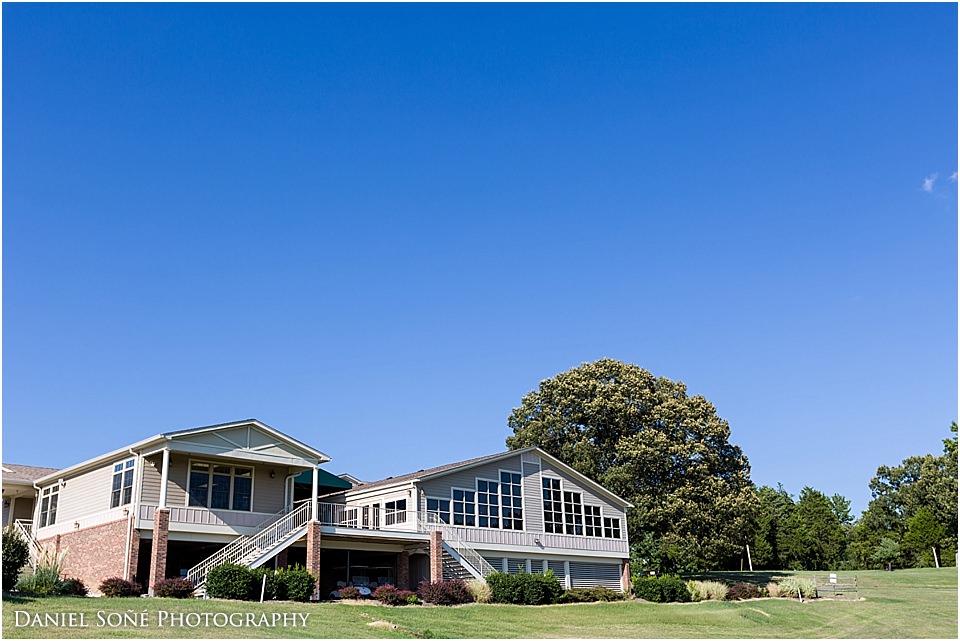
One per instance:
(267,492)
(86,494)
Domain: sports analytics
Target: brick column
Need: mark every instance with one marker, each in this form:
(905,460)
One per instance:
(158,551)
(134,550)
(625,582)
(403,570)
(313,553)
(436,556)
(282,558)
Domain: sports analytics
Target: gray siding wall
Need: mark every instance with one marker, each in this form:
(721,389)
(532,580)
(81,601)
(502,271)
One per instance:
(608,509)
(467,479)
(532,493)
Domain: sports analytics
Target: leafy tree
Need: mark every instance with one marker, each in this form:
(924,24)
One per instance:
(645,439)
(924,533)
(815,539)
(776,508)
(886,552)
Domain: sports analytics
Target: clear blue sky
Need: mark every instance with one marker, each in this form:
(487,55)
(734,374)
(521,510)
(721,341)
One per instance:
(376,228)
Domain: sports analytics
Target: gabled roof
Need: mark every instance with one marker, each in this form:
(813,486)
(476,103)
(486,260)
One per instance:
(158,441)
(24,474)
(442,470)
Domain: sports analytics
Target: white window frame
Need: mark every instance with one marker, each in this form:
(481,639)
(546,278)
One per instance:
(52,495)
(395,515)
(233,477)
(555,525)
(576,509)
(453,502)
(618,529)
(126,467)
(440,510)
(496,512)
(592,520)
(511,507)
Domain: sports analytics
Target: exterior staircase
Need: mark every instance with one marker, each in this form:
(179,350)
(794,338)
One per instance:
(25,530)
(273,536)
(459,559)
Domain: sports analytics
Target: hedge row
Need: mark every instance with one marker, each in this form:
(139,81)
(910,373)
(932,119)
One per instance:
(232,581)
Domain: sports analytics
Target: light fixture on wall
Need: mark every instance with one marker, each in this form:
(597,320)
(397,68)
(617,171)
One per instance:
(273,474)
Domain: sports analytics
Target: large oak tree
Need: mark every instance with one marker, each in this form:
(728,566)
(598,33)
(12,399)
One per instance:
(666,452)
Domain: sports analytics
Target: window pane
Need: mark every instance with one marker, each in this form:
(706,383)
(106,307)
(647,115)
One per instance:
(220,497)
(241,493)
(199,484)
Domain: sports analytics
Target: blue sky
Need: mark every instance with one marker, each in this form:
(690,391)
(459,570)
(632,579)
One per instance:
(376,227)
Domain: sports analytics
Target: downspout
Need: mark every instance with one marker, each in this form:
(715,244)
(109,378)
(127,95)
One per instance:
(134,513)
(288,490)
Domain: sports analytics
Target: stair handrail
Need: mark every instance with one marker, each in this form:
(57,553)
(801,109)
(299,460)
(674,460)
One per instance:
(452,538)
(270,532)
(24,527)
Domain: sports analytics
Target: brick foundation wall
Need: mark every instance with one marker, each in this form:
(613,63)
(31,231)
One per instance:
(403,570)
(625,582)
(158,551)
(436,556)
(313,553)
(97,553)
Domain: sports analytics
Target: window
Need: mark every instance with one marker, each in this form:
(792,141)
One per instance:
(48,505)
(396,511)
(611,528)
(552,506)
(464,508)
(488,503)
(121,492)
(440,507)
(512,503)
(220,487)
(349,518)
(573,512)
(591,519)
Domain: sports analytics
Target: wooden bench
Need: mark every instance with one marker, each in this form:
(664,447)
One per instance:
(837,586)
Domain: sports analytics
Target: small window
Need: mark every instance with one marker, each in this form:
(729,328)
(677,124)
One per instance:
(121,491)
(464,508)
(396,512)
(349,518)
(49,498)
(591,519)
(439,507)
(611,528)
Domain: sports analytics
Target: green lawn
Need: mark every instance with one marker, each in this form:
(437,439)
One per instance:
(901,604)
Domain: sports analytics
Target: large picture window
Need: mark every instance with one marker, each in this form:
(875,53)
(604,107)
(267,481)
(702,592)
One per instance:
(552,506)
(591,519)
(121,492)
(49,498)
(221,487)
(512,501)
(573,512)
(488,503)
(396,512)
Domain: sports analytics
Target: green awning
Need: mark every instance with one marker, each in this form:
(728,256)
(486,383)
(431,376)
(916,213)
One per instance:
(324,479)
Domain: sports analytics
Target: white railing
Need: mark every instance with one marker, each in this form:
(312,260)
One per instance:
(366,518)
(24,528)
(451,538)
(245,549)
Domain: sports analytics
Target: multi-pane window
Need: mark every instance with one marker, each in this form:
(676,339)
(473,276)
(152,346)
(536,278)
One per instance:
(591,520)
(49,498)
(488,503)
(396,512)
(573,512)
(552,506)
(349,518)
(121,492)
(611,528)
(440,507)
(512,501)
(464,507)
(220,487)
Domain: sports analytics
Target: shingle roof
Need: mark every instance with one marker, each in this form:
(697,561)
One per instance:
(27,473)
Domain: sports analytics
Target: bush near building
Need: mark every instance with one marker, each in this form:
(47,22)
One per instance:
(525,589)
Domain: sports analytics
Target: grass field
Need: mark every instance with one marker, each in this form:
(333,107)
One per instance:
(901,604)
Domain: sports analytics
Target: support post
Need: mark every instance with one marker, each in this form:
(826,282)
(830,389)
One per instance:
(313,496)
(158,551)
(13,506)
(625,578)
(403,570)
(164,477)
(313,555)
(436,556)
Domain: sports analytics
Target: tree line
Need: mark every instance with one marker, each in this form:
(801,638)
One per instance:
(695,507)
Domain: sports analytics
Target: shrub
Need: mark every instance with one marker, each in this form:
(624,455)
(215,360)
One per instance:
(297,583)
(742,591)
(480,591)
(390,595)
(177,588)
(349,592)
(117,587)
(413,599)
(697,593)
(230,581)
(45,578)
(589,595)
(16,553)
(525,589)
(773,589)
(274,587)
(790,585)
(444,592)
(661,589)
(72,587)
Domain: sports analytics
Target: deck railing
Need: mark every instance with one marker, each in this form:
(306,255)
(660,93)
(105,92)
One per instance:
(24,527)
(450,537)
